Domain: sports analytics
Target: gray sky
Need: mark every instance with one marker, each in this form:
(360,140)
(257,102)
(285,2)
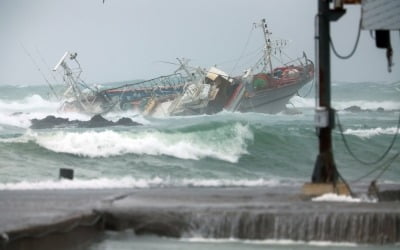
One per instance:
(124,39)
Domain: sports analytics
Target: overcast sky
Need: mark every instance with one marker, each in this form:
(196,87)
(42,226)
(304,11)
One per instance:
(126,39)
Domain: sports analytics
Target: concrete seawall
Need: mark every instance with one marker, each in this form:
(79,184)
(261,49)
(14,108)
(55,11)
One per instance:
(44,219)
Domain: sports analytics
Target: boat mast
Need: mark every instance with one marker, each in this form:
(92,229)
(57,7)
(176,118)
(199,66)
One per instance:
(184,66)
(268,46)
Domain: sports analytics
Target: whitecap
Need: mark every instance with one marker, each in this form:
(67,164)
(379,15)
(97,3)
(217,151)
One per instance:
(368,133)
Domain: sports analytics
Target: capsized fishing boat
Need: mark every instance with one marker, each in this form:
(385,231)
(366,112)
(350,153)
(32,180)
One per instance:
(194,91)
(188,91)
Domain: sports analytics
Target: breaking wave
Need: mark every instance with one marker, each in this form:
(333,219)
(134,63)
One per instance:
(225,143)
(31,103)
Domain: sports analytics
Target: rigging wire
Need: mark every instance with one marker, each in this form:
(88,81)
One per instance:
(256,51)
(244,49)
(47,65)
(344,57)
(381,158)
(38,68)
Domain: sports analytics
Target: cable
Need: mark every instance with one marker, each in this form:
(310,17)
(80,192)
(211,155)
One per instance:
(354,49)
(345,183)
(360,160)
(385,166)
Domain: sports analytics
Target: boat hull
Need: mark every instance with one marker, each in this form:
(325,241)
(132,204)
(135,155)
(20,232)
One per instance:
(270,101)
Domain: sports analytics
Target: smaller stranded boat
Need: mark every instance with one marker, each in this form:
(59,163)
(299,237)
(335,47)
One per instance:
(193,91)
(269,90)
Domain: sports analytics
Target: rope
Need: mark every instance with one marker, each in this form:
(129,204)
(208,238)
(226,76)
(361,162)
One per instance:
(357,158)
(354,48)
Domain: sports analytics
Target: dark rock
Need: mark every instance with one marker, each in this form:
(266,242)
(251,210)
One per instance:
(96,121)
(126,122)
(48,122)
(353,109)
(380,109)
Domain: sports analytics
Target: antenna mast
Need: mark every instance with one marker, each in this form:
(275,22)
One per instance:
(268,47)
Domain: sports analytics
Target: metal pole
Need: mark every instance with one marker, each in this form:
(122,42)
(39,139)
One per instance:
(324,169)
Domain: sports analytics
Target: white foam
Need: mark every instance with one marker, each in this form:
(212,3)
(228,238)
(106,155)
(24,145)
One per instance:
(102,183)
(269,242)
(363,104)
(300,102)
(193,145)
(129,182)
(231,183)
(135,116)
(367,133)
(28,104)
(19,113)
(23,120)
(331,197)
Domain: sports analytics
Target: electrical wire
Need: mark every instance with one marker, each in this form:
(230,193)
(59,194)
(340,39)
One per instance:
(382,157)
(344,57)
(384,167)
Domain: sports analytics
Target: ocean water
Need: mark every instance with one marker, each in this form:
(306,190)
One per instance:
(226,149)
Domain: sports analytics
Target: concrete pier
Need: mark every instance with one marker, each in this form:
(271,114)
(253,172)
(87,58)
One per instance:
(44,219)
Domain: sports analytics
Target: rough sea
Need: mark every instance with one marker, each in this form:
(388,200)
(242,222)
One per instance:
(222,150)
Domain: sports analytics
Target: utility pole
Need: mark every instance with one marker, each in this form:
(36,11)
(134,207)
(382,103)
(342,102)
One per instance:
(325,168)
(325,175)
(377,15)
